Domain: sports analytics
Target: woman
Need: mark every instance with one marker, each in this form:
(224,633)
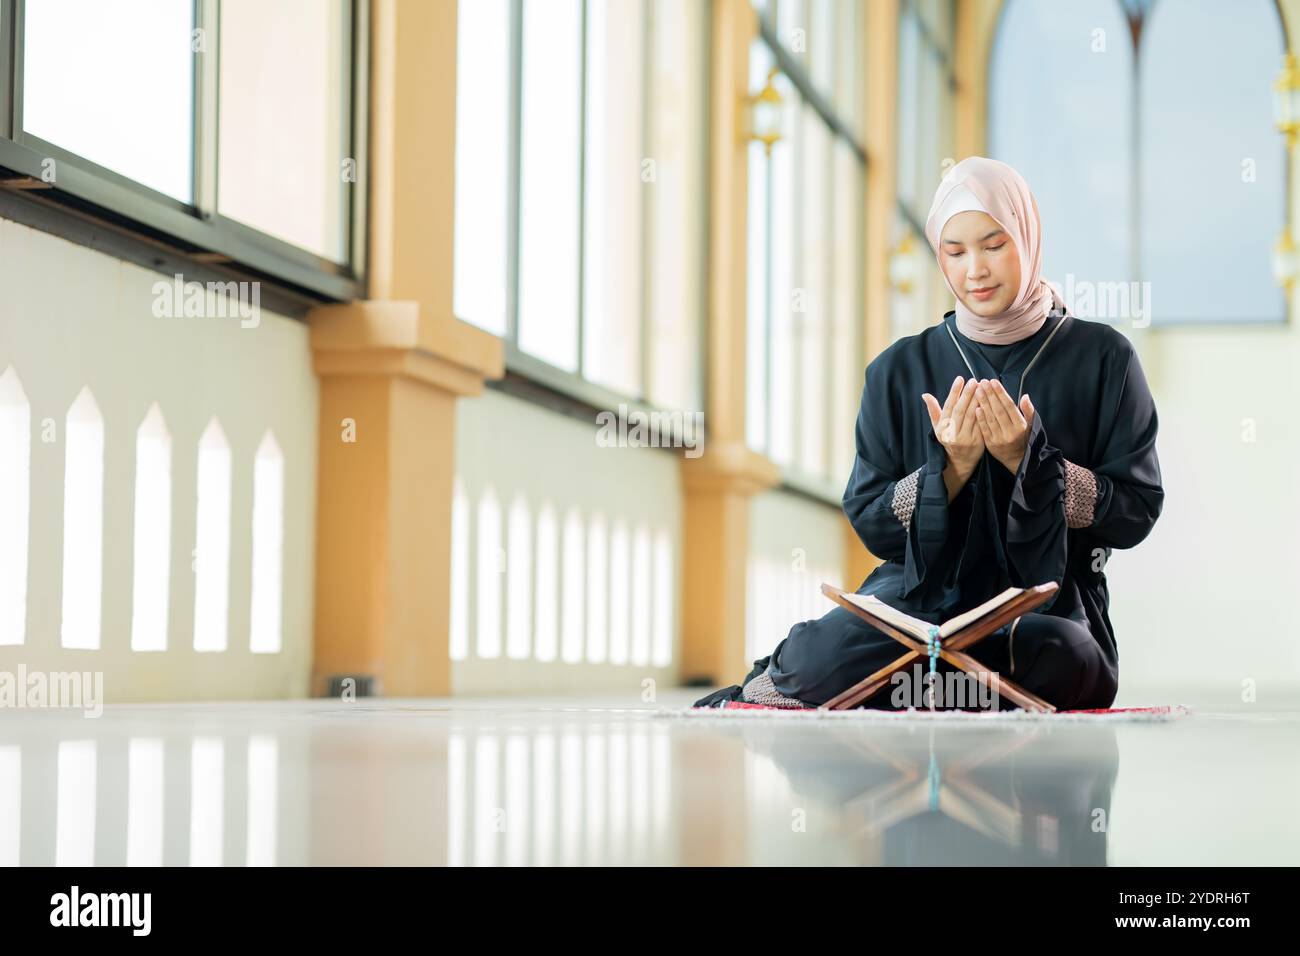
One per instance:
(989,488)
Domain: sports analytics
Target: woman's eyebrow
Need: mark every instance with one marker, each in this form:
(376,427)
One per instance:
(987,235)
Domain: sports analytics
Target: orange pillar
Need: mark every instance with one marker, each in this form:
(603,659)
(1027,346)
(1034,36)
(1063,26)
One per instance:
(719,484)
(973,36)
(391,369)
(881,57)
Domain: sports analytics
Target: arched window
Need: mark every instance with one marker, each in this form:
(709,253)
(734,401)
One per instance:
(460,550)
(572,598)
(487,610)
(519,574)
(268,547)
(1211,131)
(212,541)
(83,523)
(1138,161)
(597,590)
(15,499)
(153,524)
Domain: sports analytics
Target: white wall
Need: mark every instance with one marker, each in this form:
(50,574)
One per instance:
(1207,601)
(71,317)
(515,456)
(794,545)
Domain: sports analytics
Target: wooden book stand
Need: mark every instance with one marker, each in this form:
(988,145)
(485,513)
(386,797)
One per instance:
(951,650)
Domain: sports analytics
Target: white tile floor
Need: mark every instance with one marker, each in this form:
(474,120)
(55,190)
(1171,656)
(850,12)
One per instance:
(600,780)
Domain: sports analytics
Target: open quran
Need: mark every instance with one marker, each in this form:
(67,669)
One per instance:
(921,629)
(950,638)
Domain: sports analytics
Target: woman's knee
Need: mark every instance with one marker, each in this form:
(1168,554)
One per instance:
(1066,667)
(1103,693)
(827,655)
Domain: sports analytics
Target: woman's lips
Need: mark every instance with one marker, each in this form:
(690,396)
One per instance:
(985,294)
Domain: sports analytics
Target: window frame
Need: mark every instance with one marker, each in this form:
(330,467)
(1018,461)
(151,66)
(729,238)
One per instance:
(584,394)
(937,55)
(197,228)
(828,488)
(1137,201)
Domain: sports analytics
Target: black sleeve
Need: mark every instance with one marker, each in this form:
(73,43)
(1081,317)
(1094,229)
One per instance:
(1129,493)
(898,515)
(1117,502)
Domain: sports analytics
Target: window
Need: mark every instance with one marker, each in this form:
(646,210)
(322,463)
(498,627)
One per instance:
(212,541)
(83,522)
(925,152)
(153,523)
(579,191)
(550,181)
(482,152)
(614,195)
(104,85)
(228,126)
(824,37)
(489,576)
(805,247)
(925,102)
(15,501)
(284,149)
(1135,141)
(519,594)
(265,635)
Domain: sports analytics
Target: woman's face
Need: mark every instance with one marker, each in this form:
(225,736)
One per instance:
(978,254)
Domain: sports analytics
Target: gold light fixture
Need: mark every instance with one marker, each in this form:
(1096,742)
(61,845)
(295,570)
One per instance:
(1286,100)
(903,265)
(763,113)
(1285,262)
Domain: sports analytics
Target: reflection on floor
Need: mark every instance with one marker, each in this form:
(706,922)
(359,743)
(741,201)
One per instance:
(574,781)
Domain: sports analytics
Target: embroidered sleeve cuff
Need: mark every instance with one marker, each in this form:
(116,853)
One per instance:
(1080,495)
(904,501)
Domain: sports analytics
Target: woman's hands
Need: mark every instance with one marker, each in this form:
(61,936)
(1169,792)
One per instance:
(1003,426)
(978,416)
(957,429)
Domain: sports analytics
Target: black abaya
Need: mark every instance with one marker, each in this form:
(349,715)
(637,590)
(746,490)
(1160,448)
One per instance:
(1089,482)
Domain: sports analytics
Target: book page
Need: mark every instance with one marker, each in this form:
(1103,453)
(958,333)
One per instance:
(954,624)
(900,619)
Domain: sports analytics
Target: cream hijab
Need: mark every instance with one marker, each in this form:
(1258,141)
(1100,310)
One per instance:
(980,183)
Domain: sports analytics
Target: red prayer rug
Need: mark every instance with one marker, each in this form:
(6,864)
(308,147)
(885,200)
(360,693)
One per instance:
(735,708)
